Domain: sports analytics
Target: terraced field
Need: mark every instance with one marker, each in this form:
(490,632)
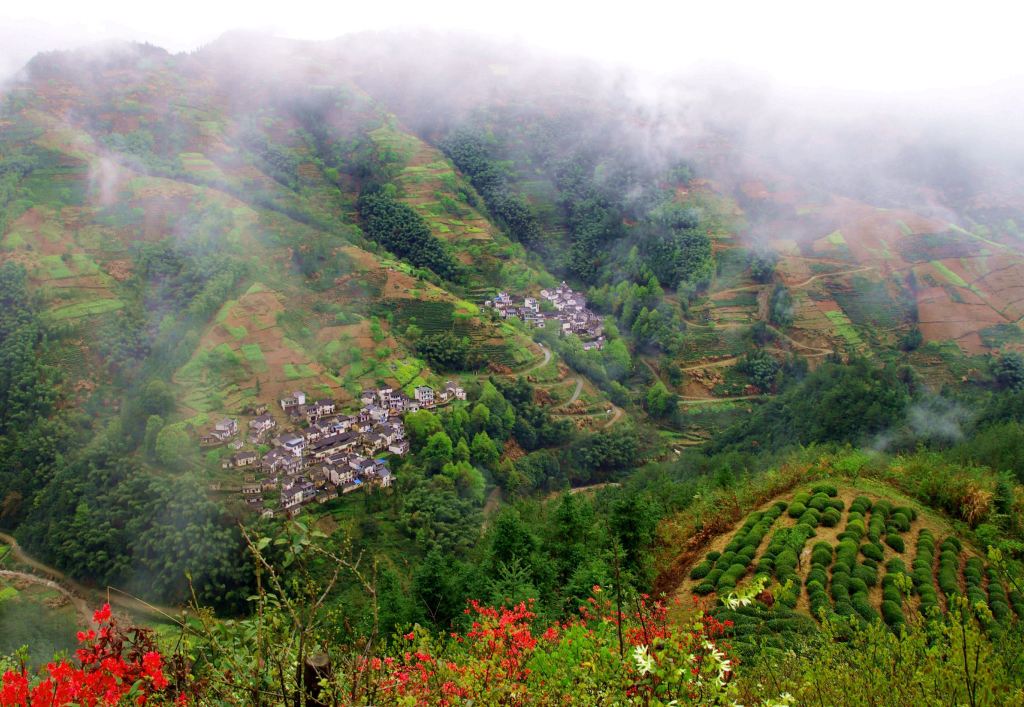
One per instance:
(843,552)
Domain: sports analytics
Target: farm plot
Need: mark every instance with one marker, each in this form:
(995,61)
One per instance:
(841,553)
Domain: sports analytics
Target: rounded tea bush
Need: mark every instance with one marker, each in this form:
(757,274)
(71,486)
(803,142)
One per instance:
(895,542)
(827,489)
(861,504)
(714,555)
(821,554)
(868,575)
(893,614)
(796,509)
(863,607)
(801,498)
(701,571)
(899,521)
(891,593)
(873,551)
(818,502)
(830,518)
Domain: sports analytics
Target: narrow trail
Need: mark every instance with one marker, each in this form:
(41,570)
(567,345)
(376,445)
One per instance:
(741,288)
(114,596)
(547,359)
(837,273)
(712,401)
(617,414)
(713,364)
(575,394)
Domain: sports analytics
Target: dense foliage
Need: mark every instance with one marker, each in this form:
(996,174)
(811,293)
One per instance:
(401,230)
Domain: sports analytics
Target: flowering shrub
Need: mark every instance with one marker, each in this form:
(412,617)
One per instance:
(113,667)
(601,657)
(505,655)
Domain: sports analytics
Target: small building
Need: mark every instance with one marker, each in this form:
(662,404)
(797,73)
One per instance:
(455,390)
(262,424)
(240,459)
(293,443)
(399,447)
(425,395)
(293,401)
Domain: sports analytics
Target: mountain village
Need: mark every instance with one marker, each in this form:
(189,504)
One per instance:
(566,306)
(324,453)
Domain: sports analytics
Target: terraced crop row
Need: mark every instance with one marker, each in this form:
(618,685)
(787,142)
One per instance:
(720,572)
(840,576)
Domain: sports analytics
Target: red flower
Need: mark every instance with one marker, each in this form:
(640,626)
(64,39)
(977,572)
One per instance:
(102,615)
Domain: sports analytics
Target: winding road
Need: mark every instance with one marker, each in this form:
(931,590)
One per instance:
(547,359)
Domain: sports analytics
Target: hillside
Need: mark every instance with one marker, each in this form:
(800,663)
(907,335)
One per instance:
(450,374)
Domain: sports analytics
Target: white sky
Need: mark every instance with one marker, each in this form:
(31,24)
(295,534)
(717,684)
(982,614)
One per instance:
(885,45)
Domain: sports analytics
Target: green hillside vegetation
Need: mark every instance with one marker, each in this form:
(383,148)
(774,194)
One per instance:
(779,465)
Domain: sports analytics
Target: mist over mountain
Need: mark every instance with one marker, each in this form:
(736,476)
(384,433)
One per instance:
(355,346)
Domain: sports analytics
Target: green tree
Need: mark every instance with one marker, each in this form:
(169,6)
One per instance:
(461,452)
(420,426)
(468,480)
(660,401)
(1008,370)
(484,450)
(437,453)
(174,448)
(154,424)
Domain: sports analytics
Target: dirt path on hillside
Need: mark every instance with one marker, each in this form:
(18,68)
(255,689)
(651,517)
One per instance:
(709,401)
(575,393)
(837,273)
(114,596)
(729,291)
(533,367)
(721,363)
(617,414)
(84,612)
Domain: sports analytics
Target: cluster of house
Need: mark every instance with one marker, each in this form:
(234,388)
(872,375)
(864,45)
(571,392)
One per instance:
(570,311)
(327,453)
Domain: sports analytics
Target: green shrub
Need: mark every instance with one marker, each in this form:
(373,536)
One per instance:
(796,509)
(830,518)
(892,593)
(785,563)
(893,615)
(873,551)
(861,504)
(821,554)
(714,555)
(818,502)
(817,575)
(863,607)
(827,489)
(856,586)
(895,542)
(701,571)
(802,498)
(704,588)
(899,521)
(868,575)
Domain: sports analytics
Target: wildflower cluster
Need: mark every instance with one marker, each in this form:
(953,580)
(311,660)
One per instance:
(506,657)
(113,667)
